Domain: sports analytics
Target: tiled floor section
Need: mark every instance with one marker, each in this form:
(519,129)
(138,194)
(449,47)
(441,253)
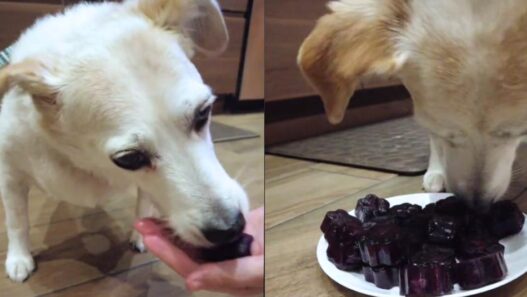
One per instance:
(298,194)
(84,252)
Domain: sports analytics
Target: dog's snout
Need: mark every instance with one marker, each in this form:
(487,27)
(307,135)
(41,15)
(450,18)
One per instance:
(475,195)
(223,235)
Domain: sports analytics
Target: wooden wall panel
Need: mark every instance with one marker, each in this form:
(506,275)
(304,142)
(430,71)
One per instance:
(295,9)
(15,17)
(229,5)
(283,79)
(222,72)
(234,5)
(288,23)
(56,2)
(253,81)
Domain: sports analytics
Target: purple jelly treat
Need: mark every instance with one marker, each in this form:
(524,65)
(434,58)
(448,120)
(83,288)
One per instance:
(404,212)
(478,246)
(339,226)
(412,241)
(438,249)
(371,206)
(235,249)
(429,209)
(443,230)
(505,218)
(487,268)
(381,245)
(414,233)
(333,218)
(345,255)
(428,272)
(386,219)
(477,227)
(451,206)
(418,223)
(382,277)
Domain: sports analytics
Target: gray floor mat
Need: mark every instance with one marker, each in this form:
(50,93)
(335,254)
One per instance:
(399,146)
(222,133)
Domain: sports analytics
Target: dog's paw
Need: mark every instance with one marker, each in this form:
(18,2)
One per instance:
(136,243)
(19,267)
(434,182)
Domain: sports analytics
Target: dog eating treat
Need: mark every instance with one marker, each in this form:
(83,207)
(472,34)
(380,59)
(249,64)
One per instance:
(104,98)
(463,65)
(238,248)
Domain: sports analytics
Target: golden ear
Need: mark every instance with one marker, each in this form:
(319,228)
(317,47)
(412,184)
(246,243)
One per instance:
(201,20)
(346,44)
(32,76)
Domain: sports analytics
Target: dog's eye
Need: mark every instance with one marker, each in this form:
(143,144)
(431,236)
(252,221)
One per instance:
(201,118)
(131,159)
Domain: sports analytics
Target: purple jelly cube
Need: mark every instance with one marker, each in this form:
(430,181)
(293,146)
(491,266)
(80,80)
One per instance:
(477,247)
(429,208)
(381,245)
(345,255)
(428,272)
(383,277)
(404,212)
(505,219)
(371,206)
(451,206)
(339,226)
(479,271)
(477,226)
(443,229)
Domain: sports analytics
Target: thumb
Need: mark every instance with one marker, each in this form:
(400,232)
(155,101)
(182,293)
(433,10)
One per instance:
(243,276)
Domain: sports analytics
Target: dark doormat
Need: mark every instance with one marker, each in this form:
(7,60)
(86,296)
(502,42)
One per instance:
(222,133)
(398,146)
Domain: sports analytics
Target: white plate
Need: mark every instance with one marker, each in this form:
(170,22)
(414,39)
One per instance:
(515,257)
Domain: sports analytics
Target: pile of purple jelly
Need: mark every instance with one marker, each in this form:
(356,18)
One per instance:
(424,251)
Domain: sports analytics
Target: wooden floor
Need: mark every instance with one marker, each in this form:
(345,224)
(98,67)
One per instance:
(84,252)
(298,194)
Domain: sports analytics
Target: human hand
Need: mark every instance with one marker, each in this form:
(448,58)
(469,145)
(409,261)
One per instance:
(239,277)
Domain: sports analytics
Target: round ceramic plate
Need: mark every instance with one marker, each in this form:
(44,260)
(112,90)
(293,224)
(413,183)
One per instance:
(515,257)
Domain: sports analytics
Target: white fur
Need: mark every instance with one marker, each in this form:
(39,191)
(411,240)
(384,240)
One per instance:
(468,155)
(463,62)
(122,82)
(370,9)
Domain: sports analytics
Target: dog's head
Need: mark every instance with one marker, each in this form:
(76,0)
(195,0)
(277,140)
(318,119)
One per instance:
(463,62)
(118,96)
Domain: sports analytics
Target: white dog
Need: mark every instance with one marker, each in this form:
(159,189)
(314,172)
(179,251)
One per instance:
(464,63)
(104,97)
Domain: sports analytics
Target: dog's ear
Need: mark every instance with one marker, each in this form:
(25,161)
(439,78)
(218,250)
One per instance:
(354,39)
(32,76)
(201,20)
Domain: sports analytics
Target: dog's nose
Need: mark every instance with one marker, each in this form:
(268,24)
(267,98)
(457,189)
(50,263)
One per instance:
(221,236)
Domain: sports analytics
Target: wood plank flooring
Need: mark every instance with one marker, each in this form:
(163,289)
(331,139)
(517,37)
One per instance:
(298,194)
